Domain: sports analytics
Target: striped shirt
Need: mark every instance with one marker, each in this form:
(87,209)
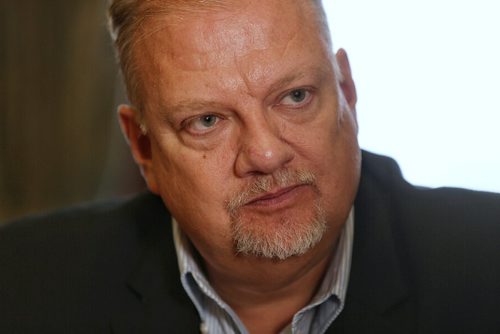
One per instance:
(218,317)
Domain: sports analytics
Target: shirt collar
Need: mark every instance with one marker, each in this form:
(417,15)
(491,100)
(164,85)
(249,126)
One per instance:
(333,285)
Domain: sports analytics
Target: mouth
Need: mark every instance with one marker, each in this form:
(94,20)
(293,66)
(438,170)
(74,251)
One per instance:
(277,196)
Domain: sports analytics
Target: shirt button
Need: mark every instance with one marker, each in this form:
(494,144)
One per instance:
(203,328)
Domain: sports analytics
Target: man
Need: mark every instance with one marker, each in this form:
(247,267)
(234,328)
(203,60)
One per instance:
(243,123)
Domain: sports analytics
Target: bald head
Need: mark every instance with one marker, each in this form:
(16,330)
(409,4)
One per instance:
(128,20)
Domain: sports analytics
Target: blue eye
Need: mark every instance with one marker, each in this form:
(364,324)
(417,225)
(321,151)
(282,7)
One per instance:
(208,120)
(296,97)
(202,124)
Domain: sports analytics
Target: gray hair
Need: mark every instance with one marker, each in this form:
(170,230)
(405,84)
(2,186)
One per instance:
(127,17)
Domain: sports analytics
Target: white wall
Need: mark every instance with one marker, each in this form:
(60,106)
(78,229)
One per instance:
(428,80)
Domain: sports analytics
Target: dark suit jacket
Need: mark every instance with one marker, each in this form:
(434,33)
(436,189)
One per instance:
(424,261)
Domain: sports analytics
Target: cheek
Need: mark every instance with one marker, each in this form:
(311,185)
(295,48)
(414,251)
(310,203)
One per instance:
(192,181)
(329,148)
(195,186)
(314,142)
(196,175)
(342,169)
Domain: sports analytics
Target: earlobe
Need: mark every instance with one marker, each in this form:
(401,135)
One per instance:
(139,143)
(346,83)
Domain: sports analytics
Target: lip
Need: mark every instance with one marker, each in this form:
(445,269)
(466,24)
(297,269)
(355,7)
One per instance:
(276,197)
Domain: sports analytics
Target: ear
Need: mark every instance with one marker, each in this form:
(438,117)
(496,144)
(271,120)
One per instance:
(347,83)
(139,143)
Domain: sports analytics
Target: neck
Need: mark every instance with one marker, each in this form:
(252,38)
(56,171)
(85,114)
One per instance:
(265,293)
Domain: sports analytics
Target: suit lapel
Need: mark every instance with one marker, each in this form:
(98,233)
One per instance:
(160,304)
(154,300)
(377,296)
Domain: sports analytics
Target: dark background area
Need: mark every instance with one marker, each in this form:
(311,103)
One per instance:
(59,87)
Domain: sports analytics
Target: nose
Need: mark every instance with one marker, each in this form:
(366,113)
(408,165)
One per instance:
(262,148)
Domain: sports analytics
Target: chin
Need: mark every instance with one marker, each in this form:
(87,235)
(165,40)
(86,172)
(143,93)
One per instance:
(278,236)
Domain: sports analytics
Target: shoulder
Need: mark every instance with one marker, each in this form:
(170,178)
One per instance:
(85,225)
(382,177)
(81,234)
(75,262)
(448,218)
(446,240)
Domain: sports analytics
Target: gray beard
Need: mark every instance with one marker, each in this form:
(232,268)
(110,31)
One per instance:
(283,240)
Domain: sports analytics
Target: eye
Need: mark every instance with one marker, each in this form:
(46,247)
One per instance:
(202,124)
(208,121)
(296,97)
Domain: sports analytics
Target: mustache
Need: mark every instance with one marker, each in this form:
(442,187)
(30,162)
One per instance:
(263,184)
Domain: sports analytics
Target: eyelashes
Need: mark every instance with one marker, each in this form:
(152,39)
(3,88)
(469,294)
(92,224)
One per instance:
(205,123)
(296,98)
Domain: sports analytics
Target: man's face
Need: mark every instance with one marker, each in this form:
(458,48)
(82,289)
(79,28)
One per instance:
(247,142)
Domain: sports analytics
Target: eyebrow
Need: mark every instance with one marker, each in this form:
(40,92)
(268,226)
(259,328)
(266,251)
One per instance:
(315,72)
(285,81)
(188,105)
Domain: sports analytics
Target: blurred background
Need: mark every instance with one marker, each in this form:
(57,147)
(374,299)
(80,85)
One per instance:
(427,72)
(59,139)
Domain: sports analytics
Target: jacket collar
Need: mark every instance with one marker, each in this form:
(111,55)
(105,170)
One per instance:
(154,300)
(377,297)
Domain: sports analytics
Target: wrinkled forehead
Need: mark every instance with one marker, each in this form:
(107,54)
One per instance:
(235,33)
(219,33)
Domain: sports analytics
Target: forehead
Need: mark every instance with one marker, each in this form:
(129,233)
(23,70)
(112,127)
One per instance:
(253,38)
